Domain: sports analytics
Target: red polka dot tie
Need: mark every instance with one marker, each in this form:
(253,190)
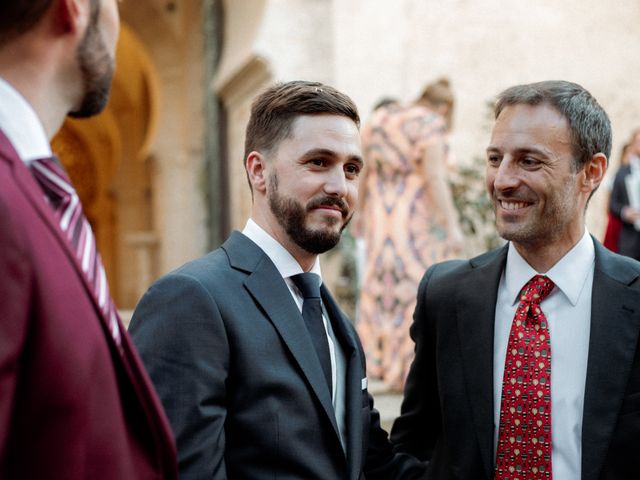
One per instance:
(524,439)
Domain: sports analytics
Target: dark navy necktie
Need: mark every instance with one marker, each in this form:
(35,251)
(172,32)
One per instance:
(309,286)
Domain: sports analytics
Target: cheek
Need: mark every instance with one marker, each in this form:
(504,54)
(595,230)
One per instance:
(110,23)
(488,181)
(352,194)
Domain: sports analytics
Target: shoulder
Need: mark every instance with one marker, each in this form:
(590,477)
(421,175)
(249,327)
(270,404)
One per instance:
(624,270)
(445,277)
(18,219)
(209,273)
(453,269)
(424,116)
(423,124)
(222,270)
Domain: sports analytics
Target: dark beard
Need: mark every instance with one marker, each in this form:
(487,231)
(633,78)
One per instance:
(291,215)
(97,70)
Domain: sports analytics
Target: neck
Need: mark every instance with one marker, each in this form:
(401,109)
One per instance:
(37,79)
(543,257)
(44,101)
(269,224)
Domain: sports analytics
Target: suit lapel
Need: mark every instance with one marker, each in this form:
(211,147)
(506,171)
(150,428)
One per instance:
(476,304)
(345,335)
(615,323)
(269,291)
(132,366)
(27,183)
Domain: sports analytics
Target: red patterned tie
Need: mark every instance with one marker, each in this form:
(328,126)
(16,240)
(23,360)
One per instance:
(62,197)
(524,440)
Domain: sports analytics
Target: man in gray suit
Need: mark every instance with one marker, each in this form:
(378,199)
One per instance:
(260,375)
(539,382)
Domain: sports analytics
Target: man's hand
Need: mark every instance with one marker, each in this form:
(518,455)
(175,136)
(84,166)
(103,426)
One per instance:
(630,214)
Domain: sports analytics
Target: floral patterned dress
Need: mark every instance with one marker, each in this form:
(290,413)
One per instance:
(403,233)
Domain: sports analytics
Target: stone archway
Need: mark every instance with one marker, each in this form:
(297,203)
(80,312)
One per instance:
(108,160)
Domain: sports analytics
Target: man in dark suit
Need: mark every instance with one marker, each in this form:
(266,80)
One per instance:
(542,382)
(254,383)
(75,401)
(620,204)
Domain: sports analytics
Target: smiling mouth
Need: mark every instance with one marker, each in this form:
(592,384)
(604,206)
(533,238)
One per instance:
(511,205)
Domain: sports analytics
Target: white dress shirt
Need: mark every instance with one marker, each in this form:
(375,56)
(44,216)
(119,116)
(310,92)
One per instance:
(20,123)
(288,266)
(568,312)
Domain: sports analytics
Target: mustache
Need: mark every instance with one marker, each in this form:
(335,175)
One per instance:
(329,202)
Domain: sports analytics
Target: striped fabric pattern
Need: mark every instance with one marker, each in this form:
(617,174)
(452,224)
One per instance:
(62,197)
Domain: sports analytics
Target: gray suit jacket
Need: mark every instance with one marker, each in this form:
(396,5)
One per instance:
(236,370)
(447,413)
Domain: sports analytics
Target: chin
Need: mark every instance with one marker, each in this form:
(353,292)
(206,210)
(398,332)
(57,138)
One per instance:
(326,227)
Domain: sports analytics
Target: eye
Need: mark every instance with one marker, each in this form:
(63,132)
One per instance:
(352,169)
(493,159)
(529,162)
(318,162)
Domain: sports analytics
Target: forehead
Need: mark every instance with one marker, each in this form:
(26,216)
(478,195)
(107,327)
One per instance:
(332,132)
(525,126)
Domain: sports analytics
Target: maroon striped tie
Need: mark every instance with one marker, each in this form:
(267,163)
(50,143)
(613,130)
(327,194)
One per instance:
(62,197)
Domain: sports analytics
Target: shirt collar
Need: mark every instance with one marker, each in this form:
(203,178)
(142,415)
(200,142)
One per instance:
(569,274)
(21,125)
(280,256)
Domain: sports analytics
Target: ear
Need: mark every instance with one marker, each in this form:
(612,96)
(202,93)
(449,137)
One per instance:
(73,15)
(257,171)
(594,171)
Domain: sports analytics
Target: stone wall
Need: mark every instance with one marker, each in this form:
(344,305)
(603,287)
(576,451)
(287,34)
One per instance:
(395,48)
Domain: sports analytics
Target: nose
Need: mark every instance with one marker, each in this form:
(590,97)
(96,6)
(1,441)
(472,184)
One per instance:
(505,176)
(336,182)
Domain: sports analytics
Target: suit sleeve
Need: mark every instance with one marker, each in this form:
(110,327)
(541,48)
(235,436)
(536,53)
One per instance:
(382,463)
(15,290)
(417,428)
(181,338)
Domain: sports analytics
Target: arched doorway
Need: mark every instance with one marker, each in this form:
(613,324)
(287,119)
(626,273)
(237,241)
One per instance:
(108,160)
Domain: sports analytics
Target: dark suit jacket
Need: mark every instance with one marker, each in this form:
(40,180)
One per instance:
(629,241)
(233,362)
(71,406)
(447,413)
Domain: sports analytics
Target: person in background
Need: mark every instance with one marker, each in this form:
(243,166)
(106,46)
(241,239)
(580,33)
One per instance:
(611,238)
(75,401)
(621,204)
(260,372)
(527,361)
(408,221)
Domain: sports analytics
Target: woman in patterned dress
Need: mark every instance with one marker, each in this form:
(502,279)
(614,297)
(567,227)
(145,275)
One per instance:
(408,221)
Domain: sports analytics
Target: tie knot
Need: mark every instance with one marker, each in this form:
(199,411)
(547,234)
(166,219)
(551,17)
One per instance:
(536,289)
(50,164)
(308,284)
(52,178)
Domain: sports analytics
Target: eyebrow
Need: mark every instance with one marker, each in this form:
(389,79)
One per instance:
(325,152)
(538,151)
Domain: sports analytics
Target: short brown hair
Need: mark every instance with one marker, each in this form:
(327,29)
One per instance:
(20,16)
(589,124)
(275,109)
